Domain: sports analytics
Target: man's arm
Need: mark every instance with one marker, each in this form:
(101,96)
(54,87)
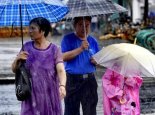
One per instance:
(73,53)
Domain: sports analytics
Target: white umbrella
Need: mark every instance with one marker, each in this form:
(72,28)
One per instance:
(127,59)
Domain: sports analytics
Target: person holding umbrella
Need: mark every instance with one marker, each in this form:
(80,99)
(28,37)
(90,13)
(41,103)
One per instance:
(121,94)
(81,87)
(45,63)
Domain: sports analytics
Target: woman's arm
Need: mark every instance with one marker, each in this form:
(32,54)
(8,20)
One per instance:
(62,79)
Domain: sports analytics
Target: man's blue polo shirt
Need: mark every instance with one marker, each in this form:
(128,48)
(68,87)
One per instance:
(81,63)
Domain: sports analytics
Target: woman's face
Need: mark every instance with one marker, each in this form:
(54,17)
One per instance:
(82,29)
(34,32)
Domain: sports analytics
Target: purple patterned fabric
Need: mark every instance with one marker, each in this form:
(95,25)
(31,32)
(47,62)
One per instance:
(45,93)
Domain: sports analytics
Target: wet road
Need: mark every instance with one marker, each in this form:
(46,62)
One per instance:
(10,106)
(8,102)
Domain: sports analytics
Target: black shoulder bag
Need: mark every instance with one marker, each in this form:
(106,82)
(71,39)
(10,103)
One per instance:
(22,82)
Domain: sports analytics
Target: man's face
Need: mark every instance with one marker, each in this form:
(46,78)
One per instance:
(82,28)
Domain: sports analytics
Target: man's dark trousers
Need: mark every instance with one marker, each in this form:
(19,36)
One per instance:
(81,89)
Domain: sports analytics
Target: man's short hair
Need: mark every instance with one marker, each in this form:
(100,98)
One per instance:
(76,19)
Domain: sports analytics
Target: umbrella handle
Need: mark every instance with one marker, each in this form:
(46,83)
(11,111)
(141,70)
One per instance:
(135,41)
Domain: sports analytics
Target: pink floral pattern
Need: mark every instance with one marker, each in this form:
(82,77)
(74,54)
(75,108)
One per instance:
(116,87)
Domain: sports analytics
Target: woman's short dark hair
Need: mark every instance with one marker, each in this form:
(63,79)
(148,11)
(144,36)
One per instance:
(43,24)
(76,19)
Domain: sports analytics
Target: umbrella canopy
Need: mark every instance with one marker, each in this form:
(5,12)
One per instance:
(80,8)
(127,59)
(53,10)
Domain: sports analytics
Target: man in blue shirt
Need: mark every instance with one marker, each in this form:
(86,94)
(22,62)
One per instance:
(78,48)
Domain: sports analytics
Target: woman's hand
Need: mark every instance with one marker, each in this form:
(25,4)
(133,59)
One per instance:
(22,55)
(62,91)
(62,79)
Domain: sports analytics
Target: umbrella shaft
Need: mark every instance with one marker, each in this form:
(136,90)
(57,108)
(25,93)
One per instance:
(21,24)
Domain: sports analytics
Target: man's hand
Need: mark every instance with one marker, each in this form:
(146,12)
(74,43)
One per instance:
(92,60)
(84,44)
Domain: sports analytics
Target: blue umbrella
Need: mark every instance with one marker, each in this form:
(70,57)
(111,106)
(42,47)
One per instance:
(20,12)
(53,10)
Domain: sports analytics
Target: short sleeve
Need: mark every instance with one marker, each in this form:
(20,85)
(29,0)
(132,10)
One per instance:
(58,55)
(66,44)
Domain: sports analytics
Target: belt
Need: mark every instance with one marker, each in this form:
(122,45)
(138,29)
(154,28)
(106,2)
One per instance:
(84,76)
(88,75)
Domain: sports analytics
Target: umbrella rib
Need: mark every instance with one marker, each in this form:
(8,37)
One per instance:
(2,11)
(87,7)
(152,67)
(126,63)
(53,14)
(111,52)
(145,68)
(27,12)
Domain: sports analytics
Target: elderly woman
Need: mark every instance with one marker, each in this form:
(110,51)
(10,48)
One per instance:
(45,63)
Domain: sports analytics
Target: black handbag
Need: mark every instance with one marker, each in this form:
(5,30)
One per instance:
(22,82)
